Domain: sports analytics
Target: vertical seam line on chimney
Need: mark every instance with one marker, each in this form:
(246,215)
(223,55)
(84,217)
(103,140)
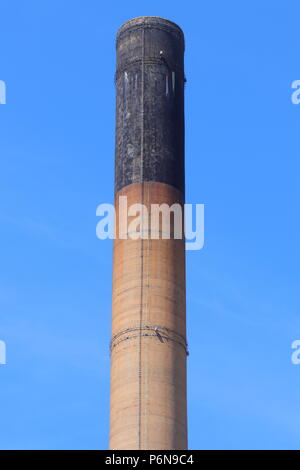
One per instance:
(142,243)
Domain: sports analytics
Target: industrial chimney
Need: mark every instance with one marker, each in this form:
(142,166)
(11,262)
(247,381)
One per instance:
(148,346)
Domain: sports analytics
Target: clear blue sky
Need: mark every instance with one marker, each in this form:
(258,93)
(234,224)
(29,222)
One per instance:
(242,162)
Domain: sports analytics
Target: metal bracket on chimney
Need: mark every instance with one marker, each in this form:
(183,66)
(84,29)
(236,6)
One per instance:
(163,333)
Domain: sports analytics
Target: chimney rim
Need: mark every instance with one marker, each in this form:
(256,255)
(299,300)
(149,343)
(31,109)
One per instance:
(139,21)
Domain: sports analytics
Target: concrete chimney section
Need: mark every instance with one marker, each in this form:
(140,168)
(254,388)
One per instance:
(148,347)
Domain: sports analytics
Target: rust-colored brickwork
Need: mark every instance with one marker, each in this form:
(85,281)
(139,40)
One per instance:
(148,349)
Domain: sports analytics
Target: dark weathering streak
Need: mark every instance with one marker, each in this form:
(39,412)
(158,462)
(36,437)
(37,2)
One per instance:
(150,101)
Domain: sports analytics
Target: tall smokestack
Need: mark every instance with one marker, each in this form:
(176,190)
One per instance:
(148,347)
